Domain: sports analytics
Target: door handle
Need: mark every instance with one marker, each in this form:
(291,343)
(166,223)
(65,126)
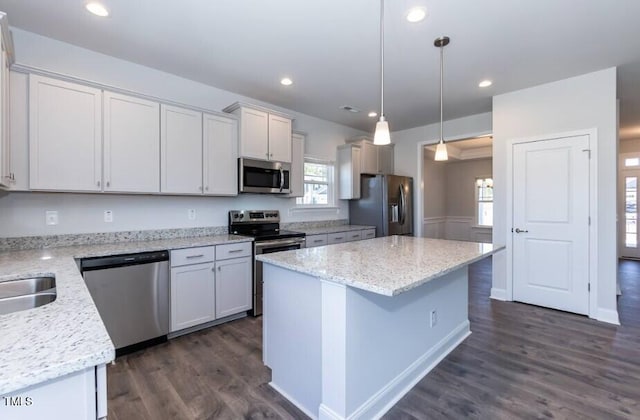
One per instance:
(518,230)
(281,179)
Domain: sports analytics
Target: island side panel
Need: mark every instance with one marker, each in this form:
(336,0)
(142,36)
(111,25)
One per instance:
(390,345)
(292,333)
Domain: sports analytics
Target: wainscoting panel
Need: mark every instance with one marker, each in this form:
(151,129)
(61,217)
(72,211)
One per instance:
(455,228)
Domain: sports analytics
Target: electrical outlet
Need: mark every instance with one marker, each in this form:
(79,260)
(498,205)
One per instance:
(433,318)
(108,216)
(51,217)
(191,214)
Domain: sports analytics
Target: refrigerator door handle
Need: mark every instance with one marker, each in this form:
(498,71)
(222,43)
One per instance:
(403,204)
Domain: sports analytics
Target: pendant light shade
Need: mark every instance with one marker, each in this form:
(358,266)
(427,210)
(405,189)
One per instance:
(441,152)
(382,135)
(441,149)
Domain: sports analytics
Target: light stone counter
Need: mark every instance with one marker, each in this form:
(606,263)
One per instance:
(66,335)
(388,266)
(349,328)
(333,229)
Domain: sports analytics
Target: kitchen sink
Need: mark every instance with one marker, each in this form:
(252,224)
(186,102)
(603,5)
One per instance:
(22,294)
(28,286)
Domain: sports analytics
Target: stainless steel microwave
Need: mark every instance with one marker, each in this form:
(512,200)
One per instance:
(261,176)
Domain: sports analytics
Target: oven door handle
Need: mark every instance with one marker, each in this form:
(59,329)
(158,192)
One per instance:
(262,245)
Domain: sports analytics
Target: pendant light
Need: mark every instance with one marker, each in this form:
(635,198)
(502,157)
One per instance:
(441,149)
(382,135)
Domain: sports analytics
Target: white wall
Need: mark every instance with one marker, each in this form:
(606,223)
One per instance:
(460,185)
(23,213)
(409,157)
(578,103)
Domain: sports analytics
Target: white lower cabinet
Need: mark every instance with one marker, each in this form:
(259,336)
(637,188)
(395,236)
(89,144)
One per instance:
(81,395)
(336,238)
(233,286)
(316,240)
(339,237)
(192,295)
(210,283)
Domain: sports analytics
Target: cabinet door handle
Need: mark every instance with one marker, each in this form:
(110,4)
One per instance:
(200,188)
(206,188)
(339,237)
(233,251)
(316,241)
(98,183)
(108,184)
(219,268)
(195,256)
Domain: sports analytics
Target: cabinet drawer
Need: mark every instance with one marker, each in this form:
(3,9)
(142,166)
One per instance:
(192,255)
(337,238)
(355,235)
(368,234)
(235,250)
(316,240)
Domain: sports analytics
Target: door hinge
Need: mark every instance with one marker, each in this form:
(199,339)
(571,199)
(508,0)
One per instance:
(588,151)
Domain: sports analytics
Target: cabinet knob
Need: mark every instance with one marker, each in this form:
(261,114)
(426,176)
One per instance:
(219,268)
(206,188)
(98,183)
(200,188)
(108,184)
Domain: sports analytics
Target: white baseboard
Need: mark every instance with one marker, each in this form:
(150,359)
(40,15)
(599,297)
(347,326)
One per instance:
(499,294)
(294,401)
(379,403)
(609,316)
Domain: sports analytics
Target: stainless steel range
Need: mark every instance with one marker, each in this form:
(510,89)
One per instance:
(264,227)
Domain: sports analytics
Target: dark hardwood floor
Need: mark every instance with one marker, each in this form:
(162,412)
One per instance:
(520,361)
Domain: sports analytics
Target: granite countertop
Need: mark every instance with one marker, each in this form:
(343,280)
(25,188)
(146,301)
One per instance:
(334,229)
(387,266)
(68,334)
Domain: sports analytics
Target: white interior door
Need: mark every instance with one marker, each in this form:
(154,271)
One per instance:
(551,223)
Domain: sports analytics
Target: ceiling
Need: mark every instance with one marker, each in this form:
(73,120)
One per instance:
(330,49)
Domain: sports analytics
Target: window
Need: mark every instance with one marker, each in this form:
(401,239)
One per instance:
(484,201)
(318,184)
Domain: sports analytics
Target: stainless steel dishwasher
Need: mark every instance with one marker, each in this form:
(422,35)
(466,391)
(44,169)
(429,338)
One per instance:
(131,293)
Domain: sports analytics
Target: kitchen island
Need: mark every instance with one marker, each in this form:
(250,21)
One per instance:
(350,328)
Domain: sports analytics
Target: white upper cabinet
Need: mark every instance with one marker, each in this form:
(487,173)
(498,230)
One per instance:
(65,136)
(374,159)
(181,150)
(279,138)
(264,134)
(7,178)
(385,159)
(296,178)
(220,155)
(349,171)
(254,134)
(131,144)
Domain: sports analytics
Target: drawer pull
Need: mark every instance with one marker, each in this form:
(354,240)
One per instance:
(339,237)
(233,251)
(316,241)
(195,256)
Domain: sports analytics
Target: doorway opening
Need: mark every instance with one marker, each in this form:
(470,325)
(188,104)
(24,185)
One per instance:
(458,193)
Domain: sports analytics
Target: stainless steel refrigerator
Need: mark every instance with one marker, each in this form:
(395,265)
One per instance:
(386,202)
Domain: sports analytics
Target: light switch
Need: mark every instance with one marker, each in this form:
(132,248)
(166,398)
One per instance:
(108,216)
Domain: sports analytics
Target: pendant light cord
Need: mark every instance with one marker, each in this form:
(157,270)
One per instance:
(441,93)
(381,59)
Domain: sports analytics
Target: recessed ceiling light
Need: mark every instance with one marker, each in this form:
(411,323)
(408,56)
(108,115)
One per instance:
(372,114)
(286,81)
(485,83)
(97,9)
(416,14)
